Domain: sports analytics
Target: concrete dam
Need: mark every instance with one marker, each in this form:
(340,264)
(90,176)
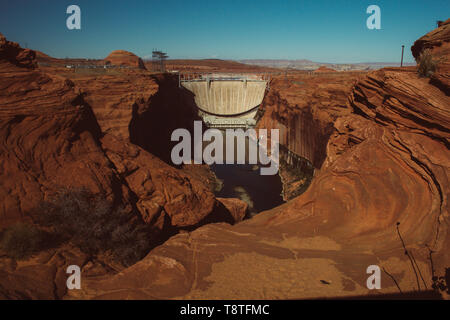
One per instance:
(226,100)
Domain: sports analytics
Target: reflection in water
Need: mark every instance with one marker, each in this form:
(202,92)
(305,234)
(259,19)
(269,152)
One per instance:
(261,192)
(244,182)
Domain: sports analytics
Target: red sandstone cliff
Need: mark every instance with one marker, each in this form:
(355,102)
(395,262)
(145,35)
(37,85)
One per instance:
(124,58)
(438,41)
(387,162)
(384,149)
(50,139)
(14,56)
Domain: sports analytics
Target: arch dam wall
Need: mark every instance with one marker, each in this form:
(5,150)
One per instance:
(227,100)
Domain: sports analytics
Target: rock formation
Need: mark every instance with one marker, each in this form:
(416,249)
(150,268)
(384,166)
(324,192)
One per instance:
(124,58)
(50,139)
(324,69)
(438,41)
(113,97)
(379,143)
(236,207)
(304,108)
(385,175)
(14,56)
(139,108)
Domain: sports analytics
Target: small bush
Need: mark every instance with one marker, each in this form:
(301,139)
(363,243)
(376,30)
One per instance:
(427,65)
(92,224)
(22,240)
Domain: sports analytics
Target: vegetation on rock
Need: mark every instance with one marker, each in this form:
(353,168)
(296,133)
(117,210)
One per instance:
(21,240)
(95,226)
(426,64)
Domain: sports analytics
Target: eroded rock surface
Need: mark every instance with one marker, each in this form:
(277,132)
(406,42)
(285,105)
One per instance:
(381,150)
(124,58)
(438,41)
(114,97)
(50,139)
(387,166)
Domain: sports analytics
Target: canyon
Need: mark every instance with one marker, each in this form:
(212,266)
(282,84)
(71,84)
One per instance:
(376,145)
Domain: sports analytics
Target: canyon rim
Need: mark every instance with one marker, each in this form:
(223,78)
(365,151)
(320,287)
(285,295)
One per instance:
(87,179)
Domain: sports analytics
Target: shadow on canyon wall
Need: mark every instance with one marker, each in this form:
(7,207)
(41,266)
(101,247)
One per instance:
(169,109)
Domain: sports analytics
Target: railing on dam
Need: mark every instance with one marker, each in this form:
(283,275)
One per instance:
(211,76)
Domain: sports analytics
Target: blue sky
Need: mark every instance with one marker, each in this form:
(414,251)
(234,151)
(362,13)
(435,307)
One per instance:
(319,30)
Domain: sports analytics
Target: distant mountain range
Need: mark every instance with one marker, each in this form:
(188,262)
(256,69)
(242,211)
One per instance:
(311,65)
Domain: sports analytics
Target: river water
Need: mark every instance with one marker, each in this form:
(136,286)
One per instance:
(244,181)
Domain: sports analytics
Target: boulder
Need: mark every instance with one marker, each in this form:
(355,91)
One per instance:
(237,208)
(124,58)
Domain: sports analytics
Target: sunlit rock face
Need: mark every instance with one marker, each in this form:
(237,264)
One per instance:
(385,174)
(382,181)
(51,140)
(438,41)
(124,58)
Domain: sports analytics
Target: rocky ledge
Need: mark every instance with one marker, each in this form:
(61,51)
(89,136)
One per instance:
(381,152)
(382,185)
(51,141)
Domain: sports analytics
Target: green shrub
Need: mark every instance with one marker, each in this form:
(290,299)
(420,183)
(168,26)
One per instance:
(427,65)
(22,240)
(95,226)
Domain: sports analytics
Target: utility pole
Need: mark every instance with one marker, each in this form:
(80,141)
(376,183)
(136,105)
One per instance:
(401,63)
